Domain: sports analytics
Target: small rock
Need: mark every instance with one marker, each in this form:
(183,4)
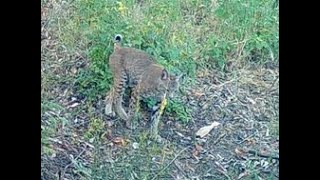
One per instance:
(135,145)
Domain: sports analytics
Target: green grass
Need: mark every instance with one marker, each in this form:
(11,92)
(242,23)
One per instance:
(139,163)
(95,81)
(177,109)
(184,35)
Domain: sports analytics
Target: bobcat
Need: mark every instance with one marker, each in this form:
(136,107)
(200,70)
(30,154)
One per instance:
(133,68)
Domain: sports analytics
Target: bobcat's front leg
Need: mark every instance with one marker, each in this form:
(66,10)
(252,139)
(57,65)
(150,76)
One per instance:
(109,109)
(134,106)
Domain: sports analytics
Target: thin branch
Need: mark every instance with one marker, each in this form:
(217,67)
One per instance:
(219,138)
(262,155)
(169,164)
(72,162)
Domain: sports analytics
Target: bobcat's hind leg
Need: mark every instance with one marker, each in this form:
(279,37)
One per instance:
(120,84)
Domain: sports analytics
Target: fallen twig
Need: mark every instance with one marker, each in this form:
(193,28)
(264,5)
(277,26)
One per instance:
(169,164)
(66,167)
(180,169)
(250,136)
(219,138)
(272,85)
(222,84)
(222,170)
(262,155)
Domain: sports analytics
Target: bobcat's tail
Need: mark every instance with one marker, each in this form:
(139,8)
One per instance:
(117,38)
(117,41)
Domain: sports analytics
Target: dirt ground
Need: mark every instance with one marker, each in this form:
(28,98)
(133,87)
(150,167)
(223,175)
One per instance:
(244,100)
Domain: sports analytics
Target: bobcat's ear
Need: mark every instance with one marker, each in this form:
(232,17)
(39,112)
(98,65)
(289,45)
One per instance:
(164,75)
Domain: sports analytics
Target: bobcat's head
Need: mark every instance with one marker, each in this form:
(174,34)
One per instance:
(158,79)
